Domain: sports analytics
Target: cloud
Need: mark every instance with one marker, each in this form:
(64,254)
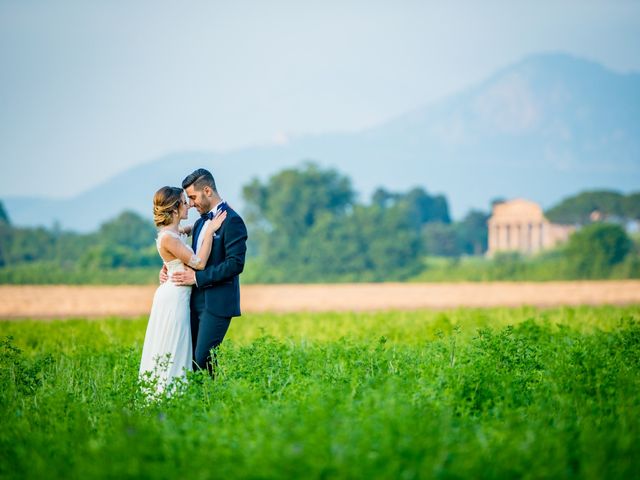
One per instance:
(280,138)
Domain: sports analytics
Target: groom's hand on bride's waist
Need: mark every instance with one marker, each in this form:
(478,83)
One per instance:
(188,277)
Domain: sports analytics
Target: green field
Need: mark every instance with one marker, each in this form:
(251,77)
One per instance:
(500,393)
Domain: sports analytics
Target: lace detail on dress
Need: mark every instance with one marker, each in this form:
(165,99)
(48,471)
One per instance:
(180,236)
(176,262)
(195,262)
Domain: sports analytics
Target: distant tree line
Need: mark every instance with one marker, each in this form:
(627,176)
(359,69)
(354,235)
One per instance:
(596,251)
(306,225)
(121,251)
(605,204)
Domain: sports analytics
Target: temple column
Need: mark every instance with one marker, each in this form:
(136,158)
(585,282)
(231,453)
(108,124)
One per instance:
(542,235)
(494,238)
(506,237)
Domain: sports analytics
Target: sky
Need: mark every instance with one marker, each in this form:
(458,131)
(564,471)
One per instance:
(91,88)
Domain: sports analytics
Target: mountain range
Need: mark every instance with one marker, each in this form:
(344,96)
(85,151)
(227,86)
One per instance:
(544,128)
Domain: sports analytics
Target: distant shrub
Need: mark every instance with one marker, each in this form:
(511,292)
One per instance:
(593,251)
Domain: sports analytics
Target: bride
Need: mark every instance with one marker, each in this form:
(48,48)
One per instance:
(167,350)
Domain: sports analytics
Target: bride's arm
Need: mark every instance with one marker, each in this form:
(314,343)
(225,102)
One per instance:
(179,250)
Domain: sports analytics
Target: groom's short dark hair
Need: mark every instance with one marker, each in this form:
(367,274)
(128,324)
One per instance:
(199,179)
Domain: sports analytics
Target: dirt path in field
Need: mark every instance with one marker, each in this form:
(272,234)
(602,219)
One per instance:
(90,301)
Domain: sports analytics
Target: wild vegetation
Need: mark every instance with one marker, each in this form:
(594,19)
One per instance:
(498,393)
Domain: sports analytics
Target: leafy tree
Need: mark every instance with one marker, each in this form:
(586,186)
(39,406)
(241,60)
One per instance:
(104,256)
(284,208)
(578,209)
(6,237)
(371,243)
(467,237)
(383,198)
(4,216)
(426,208)
(310,229)
(293,199)
(107,256)
(28,244)
(5,243)
(631,206)
(441,239)
(126,241)
(423,208)
(24,245)
(594,250)
(394,245)
(473,233)
(127,230)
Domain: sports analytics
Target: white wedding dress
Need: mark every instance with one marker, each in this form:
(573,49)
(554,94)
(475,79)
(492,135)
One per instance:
(167,352)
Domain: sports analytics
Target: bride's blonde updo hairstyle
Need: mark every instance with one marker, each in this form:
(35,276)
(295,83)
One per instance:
(165,202)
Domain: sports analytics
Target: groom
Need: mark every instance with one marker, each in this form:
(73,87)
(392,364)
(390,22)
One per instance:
(215,297)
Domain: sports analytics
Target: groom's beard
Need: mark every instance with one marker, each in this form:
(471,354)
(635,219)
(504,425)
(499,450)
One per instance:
(204,207)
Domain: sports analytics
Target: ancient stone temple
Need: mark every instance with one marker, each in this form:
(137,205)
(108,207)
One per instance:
(519,225)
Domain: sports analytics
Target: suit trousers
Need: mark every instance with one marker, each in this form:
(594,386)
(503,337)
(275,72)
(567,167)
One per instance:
(207,332)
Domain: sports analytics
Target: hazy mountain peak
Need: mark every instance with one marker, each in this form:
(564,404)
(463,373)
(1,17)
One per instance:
(543,128)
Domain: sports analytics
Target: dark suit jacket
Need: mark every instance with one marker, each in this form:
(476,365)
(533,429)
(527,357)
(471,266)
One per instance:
(219,281)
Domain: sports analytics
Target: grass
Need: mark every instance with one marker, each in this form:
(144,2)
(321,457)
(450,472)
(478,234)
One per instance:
(548,266)
(464,393)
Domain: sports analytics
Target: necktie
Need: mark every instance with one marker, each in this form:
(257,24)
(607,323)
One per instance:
(210,215)
(205,217)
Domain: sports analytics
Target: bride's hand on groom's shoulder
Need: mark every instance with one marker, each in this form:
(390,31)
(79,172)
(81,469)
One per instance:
(216,222)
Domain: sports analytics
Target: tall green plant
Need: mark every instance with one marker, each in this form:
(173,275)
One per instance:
(593,251)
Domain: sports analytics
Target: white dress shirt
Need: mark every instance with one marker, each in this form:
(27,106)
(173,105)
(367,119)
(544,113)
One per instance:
(200,238)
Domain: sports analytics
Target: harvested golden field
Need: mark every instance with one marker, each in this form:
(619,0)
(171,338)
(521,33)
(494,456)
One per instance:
(60,301)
